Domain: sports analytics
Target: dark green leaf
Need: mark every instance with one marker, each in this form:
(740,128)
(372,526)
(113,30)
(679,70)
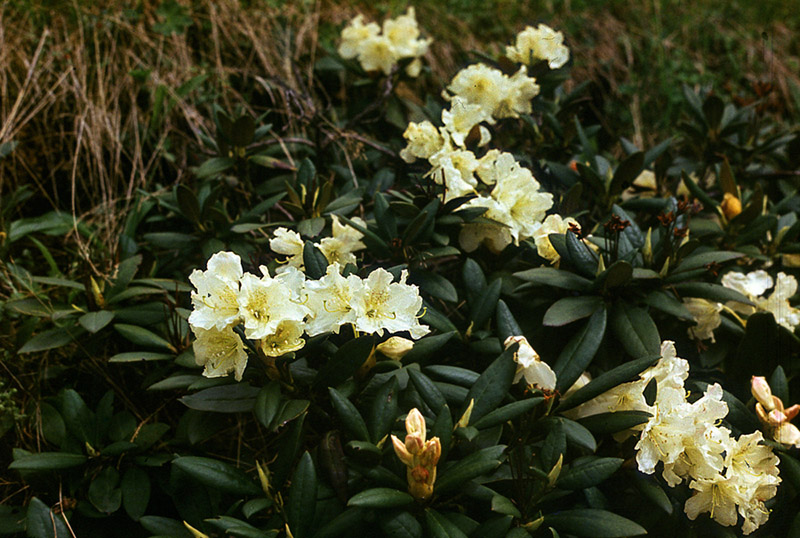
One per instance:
(626,172)
(302,497)
(400,525)
(441,527)
(506,323)
(345,362)
(427,390)
(593,523)
(351,419)
(380,498)
(49,339)
(667,303)
(580,351)
(549,276)
(236,398)
(135,492)
(637,331)
(217,474)
(48,461)
(473,466)
(341,524)
(607,423)
(569,309)
(384,410)
(492,386)
(554,446)
(103,491)
(612,378)
(315,262)
(715,292)
(434,284)
(42,522)
(506,413)
(588,473)
(141,336)
(268,403)
(579,255)
(484,305)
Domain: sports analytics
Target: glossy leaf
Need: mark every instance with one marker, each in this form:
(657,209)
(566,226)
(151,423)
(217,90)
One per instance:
(580,350)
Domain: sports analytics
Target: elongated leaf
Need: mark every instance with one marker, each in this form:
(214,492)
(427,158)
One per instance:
(506,323)
(576,434)
(380,498)
(603,382)
(554,446)
(345,362)
(434,284)
(484,305)
(384,410)
(302,497)
(651,489)
(48,461)
(342,524)
(441,527)
(580,256)
(351,419)
(607,423)
(236,398)
(436,319)
(143,356)
(141,336)
(135,492)
(667,303)
(699,261)
(315,262)
(94,321)
(49,339)
(589,473)
(400,525)
(431,396)
(549,276)
(507,412)
(474,279)
(636,330)
(103,491)
(580,351)
(424,348)
(42,522)
(492,386)
(715,292)
(217,474)
(268,402)
(473,466)
(569,309)
(593,523)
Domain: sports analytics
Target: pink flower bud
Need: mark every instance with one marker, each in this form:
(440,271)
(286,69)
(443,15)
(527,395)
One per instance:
(761,391)
(791,412)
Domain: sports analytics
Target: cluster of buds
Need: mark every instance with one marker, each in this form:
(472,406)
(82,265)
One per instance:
(419,456)
(775,418)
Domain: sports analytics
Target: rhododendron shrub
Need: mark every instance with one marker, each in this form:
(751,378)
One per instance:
(417,305)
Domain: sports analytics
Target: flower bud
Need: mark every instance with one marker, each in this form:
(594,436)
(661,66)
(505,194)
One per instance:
(787,434)
(395,347)
(414,443)
(792,411)
(415,424)
(402,452)
(776,418)
(731,206)
(761,392)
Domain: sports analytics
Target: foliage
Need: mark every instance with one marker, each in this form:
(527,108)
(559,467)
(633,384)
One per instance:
(117,431)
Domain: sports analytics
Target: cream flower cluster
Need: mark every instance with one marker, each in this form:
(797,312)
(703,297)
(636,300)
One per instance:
(275,312)
(753,286)
(380,51)
(337,249)
(514,205)
(541,43)
(729,476)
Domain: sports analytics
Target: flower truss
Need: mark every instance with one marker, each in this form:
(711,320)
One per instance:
(378,50)
(730,477)
(275,312)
